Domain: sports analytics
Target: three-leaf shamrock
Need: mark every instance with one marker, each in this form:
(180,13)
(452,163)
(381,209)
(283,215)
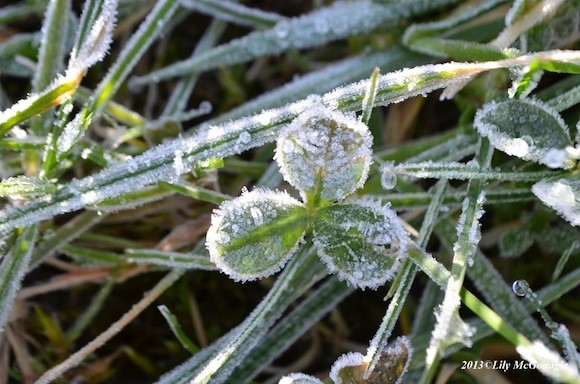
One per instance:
(326,156)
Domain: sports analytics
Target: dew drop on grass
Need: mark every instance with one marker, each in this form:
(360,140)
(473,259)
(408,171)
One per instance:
(521,288)
(388,176)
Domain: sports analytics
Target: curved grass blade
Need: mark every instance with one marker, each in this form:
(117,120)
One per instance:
(167,161)
(319,27)
(177,330)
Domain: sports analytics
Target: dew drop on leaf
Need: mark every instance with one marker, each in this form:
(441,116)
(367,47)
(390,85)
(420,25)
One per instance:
(388,176)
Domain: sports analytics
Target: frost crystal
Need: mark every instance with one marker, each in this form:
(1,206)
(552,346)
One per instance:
(362,241)
(328,147)
(340,368)
(299,378)
(97,43)
(563,195)
(526,128)
(392,366)
(254,235)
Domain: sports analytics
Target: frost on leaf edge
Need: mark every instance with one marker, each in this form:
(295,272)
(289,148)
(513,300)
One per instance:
(496,137)
(388,275)
(321,111)
(256,195)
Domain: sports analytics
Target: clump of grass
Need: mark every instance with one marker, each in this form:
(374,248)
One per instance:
(109,175)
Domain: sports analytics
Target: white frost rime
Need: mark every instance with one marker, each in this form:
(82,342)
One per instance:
(562,195)
(247,238)
(327,146)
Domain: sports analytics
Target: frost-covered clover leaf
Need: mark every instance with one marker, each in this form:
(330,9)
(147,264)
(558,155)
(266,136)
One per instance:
(361,241)
(350,368)
(326,156)
(532,130)
(528,129)
(255,235)
(561,194)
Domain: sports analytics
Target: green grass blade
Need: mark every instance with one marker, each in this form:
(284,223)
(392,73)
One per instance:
(468,236)
(182,91)
(462,171)
(166,161)
(18,44)
(64,235)
(369,98)
(415,200)
(177,330)
(13,269)
(319,27)
(95,306)
(16,12)
(169,259)
(51,55)
(217,364)
(134,49)
(290,328)
(405,280)
(91,10)
(234,13)
(196,192)
(324,80)
(499,294)
(147,33)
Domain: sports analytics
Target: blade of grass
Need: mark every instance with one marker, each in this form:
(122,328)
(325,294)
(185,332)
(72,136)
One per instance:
(321,26)
(77,357)
(13,269)
(234,13)
(290,328)
(177,330)
(167,161)
(217,364)
(464,250)
(96,305)
(403,283)
(462,171)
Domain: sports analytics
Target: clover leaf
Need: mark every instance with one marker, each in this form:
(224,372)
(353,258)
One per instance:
(326,156)
(533,130)
(350,368)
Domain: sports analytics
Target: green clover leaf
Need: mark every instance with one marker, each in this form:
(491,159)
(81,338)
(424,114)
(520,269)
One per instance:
(326,155)
(362,241)
(254,235)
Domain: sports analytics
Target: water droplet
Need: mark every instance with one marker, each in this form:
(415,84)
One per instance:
(521,287)
(388,176)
